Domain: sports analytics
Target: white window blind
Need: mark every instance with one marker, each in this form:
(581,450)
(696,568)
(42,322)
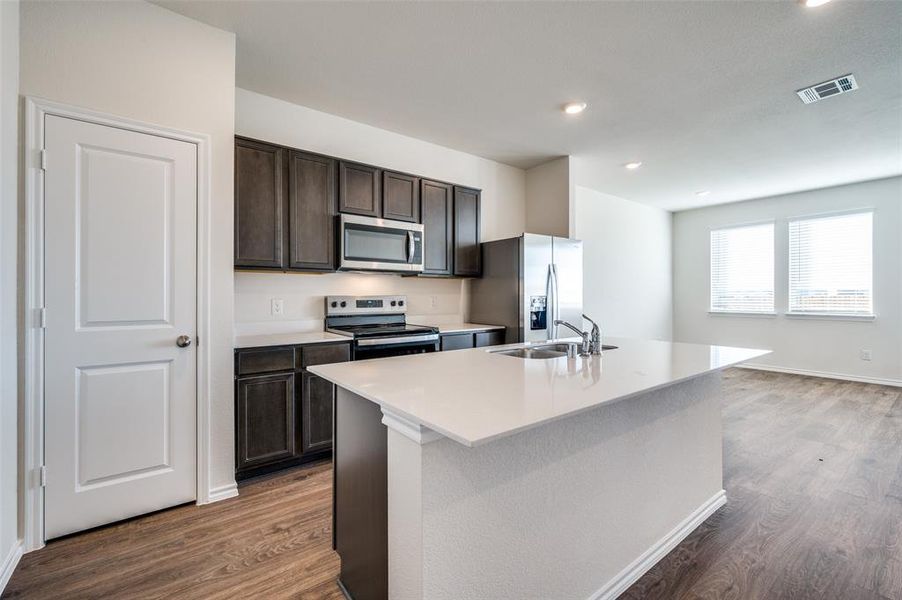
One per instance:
(830,264)
(742,269)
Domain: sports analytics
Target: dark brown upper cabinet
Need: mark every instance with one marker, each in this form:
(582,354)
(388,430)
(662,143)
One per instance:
(259,204)
(400,197)
(437,217)
(359,189)
(311,208)
(467,260)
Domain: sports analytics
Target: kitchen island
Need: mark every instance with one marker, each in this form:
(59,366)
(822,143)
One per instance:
(474,474)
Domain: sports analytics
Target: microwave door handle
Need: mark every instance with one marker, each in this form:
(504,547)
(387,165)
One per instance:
(411,247)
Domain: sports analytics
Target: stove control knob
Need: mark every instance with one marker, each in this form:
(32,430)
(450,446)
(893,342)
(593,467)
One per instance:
(334,304)
(400,303)
(343,303)
(393,303)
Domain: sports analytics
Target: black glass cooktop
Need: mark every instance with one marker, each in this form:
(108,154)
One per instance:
(381,330)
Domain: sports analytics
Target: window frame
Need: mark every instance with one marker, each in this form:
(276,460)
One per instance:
(743,313)
(833,315)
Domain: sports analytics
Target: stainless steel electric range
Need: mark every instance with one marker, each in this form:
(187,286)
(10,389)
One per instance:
(378,326)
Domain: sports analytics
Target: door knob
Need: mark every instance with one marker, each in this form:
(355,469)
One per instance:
(183,341)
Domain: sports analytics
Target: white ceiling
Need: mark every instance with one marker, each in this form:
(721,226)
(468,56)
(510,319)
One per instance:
(703,93)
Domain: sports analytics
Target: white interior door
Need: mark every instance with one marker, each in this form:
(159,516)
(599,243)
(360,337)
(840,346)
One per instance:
(120,281)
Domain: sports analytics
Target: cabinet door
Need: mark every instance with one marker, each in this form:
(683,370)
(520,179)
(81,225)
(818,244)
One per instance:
(400,197)
(311,208)
(259,204)
(437,215)
(489,338)
(317,395)
(466,232)
(266,420)
(359,191)
(457,341)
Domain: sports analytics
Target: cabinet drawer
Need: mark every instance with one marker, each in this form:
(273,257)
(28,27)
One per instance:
(266,360)
(320,354)
(457,341)
(489,338)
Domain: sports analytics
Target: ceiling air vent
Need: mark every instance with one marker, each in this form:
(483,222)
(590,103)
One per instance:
(834,87)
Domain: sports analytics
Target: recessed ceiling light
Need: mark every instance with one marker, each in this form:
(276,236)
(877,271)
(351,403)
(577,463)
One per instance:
(633,165)
(702,192)
(574,108)
(814,3)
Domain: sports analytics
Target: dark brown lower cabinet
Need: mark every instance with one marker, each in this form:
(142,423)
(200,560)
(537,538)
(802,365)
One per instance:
(490,338)
(283,413)
(480,339)
(267,420)
(456,341)
(316,398)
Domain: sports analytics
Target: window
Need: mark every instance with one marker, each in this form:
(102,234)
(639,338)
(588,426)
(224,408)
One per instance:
(830,264)
(742,269)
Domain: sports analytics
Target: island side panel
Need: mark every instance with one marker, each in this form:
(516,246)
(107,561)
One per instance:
(569,509)
(361,501)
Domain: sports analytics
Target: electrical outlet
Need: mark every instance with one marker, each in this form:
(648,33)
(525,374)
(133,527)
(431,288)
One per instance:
(864,354)
(277,307)
(433,301)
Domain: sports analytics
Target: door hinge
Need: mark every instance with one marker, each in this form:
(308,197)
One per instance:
(41,318)
(42,476)
(44,159)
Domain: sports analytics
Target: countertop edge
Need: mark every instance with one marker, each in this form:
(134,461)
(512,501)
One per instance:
(488,439)
(247,342)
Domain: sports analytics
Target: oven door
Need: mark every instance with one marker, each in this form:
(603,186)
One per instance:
(368,244)
(395,346)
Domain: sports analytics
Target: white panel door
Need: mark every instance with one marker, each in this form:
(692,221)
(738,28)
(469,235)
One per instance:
(120,281)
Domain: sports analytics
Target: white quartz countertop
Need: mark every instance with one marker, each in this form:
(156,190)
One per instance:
(287,339)
(476,396)
(464,327)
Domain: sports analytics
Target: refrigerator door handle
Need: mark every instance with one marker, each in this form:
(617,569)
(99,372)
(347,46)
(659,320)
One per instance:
(549,304)
(557,303)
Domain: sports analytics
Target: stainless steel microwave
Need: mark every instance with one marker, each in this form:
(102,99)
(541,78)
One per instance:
(369,244)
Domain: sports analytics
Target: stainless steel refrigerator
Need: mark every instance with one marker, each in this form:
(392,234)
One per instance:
(528,282)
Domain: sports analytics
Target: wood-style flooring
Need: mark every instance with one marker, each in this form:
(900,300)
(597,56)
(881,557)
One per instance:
(813,473)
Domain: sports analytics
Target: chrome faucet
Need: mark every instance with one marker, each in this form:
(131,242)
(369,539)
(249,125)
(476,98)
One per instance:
(591,341)
(585,347)
(595,344)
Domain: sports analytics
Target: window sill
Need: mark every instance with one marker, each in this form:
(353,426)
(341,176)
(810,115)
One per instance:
(740,313)
(830,316)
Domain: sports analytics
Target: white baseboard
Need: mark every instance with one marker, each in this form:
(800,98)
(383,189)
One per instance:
(639,567)
(824,374)
(223,492)
(9,564)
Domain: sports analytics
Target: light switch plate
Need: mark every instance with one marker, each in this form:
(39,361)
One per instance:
(277,307)
(864,354)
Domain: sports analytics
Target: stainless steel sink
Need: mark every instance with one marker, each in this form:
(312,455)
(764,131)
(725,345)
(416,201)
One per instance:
(543,351)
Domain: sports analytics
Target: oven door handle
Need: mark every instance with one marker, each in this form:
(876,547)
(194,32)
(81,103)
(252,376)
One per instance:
(401,339)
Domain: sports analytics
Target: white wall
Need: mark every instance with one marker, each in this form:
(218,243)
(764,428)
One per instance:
(502,212)
(9,86)
(806,344)
(627,264)
(140,61)
(549,198)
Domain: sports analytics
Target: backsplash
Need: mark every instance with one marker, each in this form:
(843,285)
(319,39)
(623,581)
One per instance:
(431,301)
